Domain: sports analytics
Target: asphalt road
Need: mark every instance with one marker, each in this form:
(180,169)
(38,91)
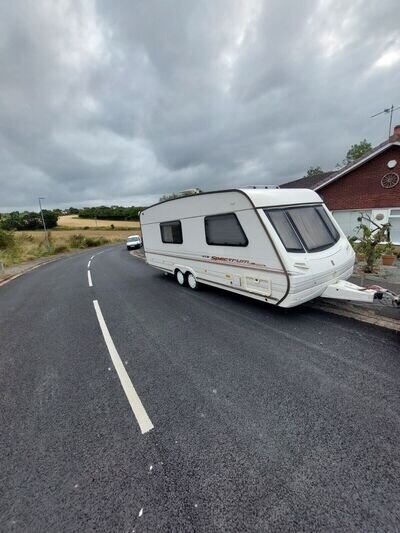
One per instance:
(264,419)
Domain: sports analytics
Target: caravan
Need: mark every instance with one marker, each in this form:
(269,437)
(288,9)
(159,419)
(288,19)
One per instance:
(281,246)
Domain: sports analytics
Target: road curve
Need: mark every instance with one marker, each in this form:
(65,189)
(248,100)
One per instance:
(264,419)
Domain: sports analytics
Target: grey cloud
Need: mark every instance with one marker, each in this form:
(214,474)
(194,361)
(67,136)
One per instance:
(122,102)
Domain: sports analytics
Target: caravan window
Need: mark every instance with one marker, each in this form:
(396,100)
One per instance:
(224,230)
(171,232)
(285,230)
(304,228)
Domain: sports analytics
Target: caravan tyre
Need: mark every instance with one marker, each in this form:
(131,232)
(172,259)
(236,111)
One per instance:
(192,282)
(180,278)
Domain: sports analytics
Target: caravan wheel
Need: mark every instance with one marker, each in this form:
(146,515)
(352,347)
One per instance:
(180,278)
(192,282)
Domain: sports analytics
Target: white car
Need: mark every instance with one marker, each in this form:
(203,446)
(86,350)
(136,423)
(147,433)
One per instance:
(133,242)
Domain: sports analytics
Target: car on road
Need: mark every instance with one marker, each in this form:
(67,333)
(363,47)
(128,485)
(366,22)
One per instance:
(133,242)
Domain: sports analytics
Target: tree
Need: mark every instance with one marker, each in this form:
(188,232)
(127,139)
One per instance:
(373,241)
(111,213)
(355,152)
(314,171)
(28,220)
(50,218)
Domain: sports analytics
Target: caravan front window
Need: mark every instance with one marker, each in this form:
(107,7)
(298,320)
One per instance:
(285,230)
(306,228)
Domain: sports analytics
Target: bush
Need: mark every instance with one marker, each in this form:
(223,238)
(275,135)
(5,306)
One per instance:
(77,241)
(7,240)
(372,241)
(95,241)
(28,220)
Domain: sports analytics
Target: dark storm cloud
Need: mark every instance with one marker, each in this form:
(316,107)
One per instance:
(121,102)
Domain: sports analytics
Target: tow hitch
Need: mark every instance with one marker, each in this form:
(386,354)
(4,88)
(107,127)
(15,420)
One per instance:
(344,290)
(385,296)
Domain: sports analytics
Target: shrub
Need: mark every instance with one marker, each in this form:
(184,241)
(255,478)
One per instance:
(28,220)
(80,241)
(372,241)
(7,240)
(95,241)
(77,241)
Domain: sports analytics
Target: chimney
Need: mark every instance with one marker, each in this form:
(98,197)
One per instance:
(396,134)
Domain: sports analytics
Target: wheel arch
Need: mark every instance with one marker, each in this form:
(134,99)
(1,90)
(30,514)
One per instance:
(185,270)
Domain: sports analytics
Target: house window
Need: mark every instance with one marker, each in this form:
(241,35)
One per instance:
(394,220)
(171,232)
(304,228)
(224,230)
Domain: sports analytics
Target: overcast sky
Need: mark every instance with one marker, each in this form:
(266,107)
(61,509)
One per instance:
(119,102)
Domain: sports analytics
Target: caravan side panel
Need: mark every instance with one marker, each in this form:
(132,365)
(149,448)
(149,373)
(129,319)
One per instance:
(254,269)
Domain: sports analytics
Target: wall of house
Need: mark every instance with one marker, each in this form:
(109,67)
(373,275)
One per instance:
(349,221)
(361,188)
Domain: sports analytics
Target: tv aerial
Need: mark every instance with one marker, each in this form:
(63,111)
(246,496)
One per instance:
(389,111)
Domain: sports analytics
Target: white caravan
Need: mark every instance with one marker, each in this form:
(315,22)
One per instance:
(281,246)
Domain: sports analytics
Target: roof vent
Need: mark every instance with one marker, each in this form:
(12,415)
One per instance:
(259,187)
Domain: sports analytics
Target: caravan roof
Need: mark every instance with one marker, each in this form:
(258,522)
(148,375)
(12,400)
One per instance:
(275,197)
(259,197)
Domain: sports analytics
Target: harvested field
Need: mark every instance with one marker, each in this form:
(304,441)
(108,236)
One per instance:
(74,222)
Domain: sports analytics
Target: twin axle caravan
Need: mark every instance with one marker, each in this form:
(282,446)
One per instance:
(281,246)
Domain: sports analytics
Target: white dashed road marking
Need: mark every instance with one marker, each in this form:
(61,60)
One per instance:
(88,265)
(139,411)
(89,279)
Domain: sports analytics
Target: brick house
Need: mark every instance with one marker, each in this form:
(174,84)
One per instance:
(370,185)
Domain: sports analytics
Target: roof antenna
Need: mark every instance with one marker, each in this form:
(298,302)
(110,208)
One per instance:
(388,110)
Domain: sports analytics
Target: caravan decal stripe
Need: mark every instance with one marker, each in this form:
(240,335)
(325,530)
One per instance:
(244,263)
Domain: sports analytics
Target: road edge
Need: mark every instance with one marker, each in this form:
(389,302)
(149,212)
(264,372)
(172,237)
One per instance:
(52,260)
(359,315)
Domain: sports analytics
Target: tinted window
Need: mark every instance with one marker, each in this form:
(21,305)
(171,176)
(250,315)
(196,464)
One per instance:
(285,231)
(224,230)
(325,217)
(304,228)
(171,232)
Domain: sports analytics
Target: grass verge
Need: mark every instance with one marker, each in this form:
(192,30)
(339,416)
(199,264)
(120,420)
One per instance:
(18,247)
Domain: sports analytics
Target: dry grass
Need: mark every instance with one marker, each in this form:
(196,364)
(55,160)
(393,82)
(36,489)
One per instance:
(31,244)
(62,235)
(74,222)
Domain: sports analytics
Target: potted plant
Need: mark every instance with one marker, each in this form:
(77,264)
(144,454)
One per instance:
(388,255)
(357,247)
(371,239)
